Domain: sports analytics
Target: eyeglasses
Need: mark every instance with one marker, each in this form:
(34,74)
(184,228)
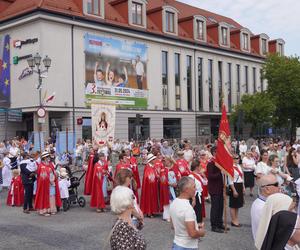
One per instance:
(276,184)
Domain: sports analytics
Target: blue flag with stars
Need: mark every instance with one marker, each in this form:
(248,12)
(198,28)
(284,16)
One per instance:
(5,71)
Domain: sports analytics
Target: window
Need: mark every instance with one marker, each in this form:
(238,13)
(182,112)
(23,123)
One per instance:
(264,46)
(238,82)
(220,83)
(224,35)
(170,22)
(254,79)
(189,81)
(139,131)
(200,30)
(165,79)
(246,79)
(229,86)
(200,83)
(210,84)
(280,49)
(245,41)
(172,128)
(94,7)
(261,81)
(177,80)
(86,128)
(137,13)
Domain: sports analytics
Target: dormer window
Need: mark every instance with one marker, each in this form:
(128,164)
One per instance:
(200,28)
(245,41)
(137,12)
(94,7)
(280,49)
(224,36)
(264,46)
(170,23)
(170,16)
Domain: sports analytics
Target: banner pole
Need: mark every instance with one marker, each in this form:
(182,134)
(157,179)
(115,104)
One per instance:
(67,140)
(225,203)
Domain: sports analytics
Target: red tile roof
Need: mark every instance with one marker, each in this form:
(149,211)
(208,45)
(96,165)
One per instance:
(12,8)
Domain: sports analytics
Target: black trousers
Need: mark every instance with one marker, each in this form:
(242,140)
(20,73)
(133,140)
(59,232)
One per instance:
(139,82)
(198,209)
(216,211)
(28,196)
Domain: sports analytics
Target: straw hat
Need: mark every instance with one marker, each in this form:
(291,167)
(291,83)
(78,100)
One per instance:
(180,153)
(150,157)
(45,154)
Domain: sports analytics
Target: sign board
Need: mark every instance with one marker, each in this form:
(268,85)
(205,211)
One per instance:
(14,115)
(116,71)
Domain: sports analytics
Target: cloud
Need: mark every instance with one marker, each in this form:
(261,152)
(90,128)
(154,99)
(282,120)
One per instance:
(276,18)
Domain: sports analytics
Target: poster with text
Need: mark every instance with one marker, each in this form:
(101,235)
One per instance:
(103,122)
(115,71)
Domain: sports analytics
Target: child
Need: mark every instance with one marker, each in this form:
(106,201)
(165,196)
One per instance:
(16,191)
(64,183)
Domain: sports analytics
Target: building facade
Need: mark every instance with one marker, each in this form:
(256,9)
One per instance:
(193,59)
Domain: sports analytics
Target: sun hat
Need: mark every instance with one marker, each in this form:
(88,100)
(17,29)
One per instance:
(150,158)
(45,154)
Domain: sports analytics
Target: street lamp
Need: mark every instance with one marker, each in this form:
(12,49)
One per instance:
(36,62)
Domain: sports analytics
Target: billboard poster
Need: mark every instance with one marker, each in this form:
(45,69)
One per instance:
(5,71)
(115,71)
(103,122)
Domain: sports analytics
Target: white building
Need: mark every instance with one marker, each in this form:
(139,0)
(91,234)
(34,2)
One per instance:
(193,56)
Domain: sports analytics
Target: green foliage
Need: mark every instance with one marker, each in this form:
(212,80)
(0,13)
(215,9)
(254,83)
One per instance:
(279,105)
(255,109)
(283,76)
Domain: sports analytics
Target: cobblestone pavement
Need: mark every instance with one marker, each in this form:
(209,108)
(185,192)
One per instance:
(83,228)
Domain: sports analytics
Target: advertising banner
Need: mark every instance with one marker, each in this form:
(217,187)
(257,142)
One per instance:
(4,71)
(103,122)
(115,72)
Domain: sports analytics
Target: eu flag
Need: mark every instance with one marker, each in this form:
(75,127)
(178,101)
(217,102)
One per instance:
(5,71)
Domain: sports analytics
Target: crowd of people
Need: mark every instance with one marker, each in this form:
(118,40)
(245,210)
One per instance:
(178,179)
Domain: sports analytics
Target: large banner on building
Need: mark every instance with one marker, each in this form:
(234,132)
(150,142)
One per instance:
(4,71)
(103,122)
(115,72)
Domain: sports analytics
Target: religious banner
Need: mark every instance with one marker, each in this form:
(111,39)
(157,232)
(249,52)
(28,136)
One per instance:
(224,159)
(103,122)
(115,71)
(4,71)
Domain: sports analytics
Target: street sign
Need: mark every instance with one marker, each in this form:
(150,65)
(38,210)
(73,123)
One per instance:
(14,115)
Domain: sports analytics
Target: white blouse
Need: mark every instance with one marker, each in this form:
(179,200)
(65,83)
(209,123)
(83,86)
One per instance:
(236,178)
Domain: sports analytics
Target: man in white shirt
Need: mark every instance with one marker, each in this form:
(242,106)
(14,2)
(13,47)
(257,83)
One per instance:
(139,70)
(183,217)
(267,185)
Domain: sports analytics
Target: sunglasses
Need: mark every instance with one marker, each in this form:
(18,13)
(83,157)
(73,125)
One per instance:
(276,184)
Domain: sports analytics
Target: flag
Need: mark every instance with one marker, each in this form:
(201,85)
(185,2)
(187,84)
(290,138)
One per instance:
(224,159)
(5,71)
(50,98)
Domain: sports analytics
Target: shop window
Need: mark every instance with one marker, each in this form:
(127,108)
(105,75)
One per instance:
(172,128)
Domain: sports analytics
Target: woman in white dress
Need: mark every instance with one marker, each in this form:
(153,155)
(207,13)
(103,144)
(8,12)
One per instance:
(6,171)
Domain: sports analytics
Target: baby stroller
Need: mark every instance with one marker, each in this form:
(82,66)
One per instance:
(73,191)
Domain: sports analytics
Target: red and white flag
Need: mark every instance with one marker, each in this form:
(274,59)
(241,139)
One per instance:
(50,98)
(224,159)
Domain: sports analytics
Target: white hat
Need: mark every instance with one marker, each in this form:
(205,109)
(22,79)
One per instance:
(45,154)
(150,157)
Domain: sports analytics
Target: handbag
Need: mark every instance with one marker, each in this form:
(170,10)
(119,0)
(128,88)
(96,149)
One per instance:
(229,191)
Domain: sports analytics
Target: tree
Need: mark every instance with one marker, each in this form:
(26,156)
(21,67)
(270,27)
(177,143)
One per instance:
(257,109)
(283,76)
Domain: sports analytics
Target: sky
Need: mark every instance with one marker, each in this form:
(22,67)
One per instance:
(276,18)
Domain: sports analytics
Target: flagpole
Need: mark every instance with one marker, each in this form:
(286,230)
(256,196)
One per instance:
(224,202)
